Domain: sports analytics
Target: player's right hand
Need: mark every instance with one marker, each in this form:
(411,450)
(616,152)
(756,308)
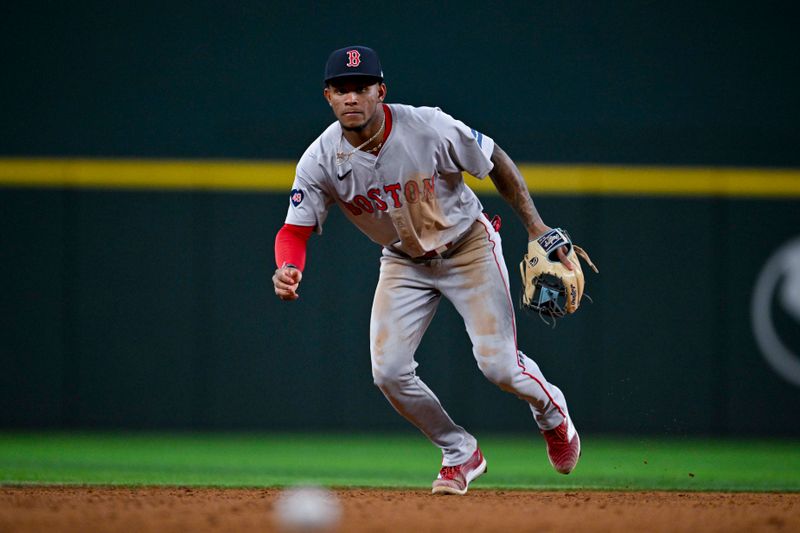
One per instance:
(286,280)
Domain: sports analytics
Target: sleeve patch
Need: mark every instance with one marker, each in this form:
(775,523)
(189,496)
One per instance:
(296,196)
(478,136)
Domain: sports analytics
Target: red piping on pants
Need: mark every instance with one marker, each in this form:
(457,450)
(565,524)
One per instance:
(514,324)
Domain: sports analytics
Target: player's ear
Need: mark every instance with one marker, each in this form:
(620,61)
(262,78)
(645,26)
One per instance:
(326,92)
(381,91)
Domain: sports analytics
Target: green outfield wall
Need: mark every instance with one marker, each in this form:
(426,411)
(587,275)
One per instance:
(691,83)
(146,150)
(153,308)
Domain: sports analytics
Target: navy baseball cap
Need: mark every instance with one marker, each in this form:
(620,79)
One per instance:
(353,61)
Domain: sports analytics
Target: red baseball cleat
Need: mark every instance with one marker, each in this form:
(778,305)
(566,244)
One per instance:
(456,479)
(563,446)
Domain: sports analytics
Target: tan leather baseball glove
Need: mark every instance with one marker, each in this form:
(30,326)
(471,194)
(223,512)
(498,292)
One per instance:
(550,288)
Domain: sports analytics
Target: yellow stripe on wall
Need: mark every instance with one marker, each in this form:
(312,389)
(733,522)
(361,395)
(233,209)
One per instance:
(659,181)
(148,174)
(277,176)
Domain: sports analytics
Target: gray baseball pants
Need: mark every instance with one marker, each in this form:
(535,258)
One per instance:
(474,277)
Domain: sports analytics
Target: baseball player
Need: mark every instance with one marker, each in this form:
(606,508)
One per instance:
(395,172)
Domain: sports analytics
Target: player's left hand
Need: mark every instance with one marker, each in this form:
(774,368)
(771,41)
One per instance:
(561,252)
(562,256)
(552,286)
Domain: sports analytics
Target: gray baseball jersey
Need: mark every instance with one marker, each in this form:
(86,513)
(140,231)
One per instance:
(411,198)
(411,195)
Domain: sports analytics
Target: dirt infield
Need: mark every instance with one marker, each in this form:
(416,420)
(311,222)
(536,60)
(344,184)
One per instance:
(88,509)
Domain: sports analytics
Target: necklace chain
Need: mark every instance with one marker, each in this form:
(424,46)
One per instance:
(375,148)
(341,157)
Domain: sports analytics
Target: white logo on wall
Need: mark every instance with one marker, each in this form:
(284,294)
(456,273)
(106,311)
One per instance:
(779,280)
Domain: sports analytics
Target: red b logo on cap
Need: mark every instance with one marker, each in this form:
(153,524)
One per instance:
(353,58)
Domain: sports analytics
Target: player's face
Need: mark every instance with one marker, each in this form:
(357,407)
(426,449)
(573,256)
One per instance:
(355,101)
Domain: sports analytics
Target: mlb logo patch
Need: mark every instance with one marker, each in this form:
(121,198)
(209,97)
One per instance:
(478,136)
(296,196)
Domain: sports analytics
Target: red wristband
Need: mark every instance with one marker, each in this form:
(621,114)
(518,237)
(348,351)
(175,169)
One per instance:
(290,245)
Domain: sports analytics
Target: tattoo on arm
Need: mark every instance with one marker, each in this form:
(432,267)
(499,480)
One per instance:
(512,187)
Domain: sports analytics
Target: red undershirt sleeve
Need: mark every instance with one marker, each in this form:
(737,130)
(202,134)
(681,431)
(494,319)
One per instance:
(290,245)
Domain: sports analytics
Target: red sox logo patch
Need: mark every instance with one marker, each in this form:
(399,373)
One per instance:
(296,197)
(353,58)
